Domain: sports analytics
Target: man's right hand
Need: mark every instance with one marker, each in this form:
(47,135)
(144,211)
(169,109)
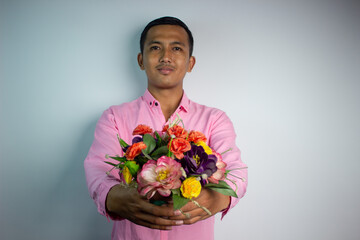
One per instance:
(127,203)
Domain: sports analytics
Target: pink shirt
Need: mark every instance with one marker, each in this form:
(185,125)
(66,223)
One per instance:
(122,119)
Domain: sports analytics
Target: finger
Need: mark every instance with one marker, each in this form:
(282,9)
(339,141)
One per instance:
(161,211)
(193,220)
(191,214)
(158,221)
(149,225)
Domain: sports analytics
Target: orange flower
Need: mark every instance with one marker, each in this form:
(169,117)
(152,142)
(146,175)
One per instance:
(134,150)
(177,131)
(179,146)
(142,130)
(196,136)
(165,128)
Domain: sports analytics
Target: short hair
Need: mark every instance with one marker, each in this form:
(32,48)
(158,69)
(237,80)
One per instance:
(166,21)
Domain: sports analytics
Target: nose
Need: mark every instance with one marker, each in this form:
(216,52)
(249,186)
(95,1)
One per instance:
(166,56)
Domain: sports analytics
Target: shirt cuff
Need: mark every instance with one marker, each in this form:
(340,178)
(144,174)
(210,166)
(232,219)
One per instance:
(104,189)
(225,211)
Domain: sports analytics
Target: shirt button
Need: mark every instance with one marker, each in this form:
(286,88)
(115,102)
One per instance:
(150,103)
(156,104)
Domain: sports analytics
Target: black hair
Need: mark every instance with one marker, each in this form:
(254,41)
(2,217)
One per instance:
(166,21)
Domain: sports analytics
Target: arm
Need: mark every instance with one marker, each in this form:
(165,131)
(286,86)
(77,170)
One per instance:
(222,138)
(110,197)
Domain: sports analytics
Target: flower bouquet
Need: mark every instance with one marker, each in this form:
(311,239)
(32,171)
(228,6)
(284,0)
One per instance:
(173,163)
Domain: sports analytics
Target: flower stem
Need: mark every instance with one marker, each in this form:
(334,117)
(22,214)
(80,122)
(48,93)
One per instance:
(203,208)
(187,215)
(230,149)
(108,172)
(242,179)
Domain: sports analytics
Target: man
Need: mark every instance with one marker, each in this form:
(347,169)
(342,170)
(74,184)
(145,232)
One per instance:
(166,56)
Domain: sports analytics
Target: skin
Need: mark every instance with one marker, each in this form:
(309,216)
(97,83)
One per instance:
(165,60)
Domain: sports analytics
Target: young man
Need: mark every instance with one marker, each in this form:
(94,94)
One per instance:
(166,56)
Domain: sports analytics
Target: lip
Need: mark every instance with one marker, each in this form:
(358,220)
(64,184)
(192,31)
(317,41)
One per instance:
(165,70)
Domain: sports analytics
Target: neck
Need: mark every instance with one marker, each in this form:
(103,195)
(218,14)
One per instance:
(169,99)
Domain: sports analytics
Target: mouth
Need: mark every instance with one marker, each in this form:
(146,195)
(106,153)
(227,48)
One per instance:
(165,70)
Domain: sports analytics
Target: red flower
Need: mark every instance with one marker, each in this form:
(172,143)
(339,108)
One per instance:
(179,146)
(165,128)
(134,150)
(177,131)
(196,136)
(142,130)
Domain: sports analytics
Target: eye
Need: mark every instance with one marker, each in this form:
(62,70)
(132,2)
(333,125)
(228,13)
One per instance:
(154,48)
(177,48)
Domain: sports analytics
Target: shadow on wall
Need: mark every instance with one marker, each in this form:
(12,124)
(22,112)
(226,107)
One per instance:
(71,212)
(140,81)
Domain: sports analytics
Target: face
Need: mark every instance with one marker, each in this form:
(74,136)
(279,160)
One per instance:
(165,58)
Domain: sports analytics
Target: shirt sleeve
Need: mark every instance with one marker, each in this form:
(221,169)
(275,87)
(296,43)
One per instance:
(223,138)
(105,142)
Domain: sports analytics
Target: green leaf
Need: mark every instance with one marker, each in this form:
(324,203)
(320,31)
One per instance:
(123,144)
(161,151)
(112,164)
(176,191)
(158,142)
(120,159)
(146,155)
(150,143)
(158,202)
(179,201)
(141,160)
(133,167)
(222,188)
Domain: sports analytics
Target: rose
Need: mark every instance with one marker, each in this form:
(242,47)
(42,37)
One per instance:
(178,146)
(134,150)
(196,136)
(190,188)
(177,131)
(142,130)
(220,172)
(159,176)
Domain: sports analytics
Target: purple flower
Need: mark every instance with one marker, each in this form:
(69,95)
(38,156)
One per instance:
(197,162)
(137,139)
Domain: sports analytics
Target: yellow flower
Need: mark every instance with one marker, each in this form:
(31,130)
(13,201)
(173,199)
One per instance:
(190,188)
(127,175)
(207,149)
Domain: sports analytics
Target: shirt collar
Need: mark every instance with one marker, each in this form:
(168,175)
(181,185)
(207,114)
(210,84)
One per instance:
(152,102)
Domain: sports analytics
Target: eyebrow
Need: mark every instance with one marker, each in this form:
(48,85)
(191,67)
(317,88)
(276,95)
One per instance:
(172,43)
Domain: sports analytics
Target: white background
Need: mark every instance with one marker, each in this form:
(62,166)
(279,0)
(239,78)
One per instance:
(286,72)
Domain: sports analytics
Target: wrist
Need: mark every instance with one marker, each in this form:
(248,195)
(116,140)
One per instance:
(109,199)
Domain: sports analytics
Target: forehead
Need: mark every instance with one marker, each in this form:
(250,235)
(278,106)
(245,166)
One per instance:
(167,33)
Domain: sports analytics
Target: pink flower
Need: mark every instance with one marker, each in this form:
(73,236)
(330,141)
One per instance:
(220,173)
(161,176)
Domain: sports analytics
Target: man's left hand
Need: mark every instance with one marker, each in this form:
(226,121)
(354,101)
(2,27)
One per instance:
(212,200)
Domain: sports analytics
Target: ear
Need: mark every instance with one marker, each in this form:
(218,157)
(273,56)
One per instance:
(192,61)
(140,61)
